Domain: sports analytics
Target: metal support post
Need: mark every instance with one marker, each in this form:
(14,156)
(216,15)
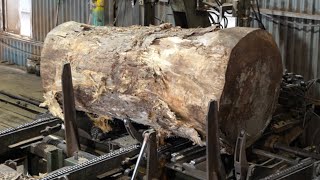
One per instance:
(149,143)
(215,169)
(152,162)
(240,158)
(241,10)
(71,129)
(3,15)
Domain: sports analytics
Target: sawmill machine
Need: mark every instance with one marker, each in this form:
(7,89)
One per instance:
(184,13)
(74,148)
(50,148)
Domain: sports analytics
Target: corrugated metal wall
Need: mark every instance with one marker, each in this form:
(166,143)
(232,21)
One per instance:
(299,41)
(16,51)
(45,13)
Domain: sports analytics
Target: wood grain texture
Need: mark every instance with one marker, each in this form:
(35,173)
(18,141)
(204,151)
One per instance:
(165,76)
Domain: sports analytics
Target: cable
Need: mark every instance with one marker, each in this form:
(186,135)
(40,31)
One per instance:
(57,14)
(118,9)
(163,16)
(224,18)
(261,25)
(226,21)
(214,14)
(212,19)
(228,12)
(155,17)
(218,2)
(260,17)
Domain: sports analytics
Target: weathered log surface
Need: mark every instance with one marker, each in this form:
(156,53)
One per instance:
(165,76)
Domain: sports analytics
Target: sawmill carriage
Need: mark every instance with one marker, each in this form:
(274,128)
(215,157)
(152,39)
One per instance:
(165,100)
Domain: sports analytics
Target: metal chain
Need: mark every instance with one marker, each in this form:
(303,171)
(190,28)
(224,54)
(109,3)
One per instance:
(11,130)
(289,170)
(68,170)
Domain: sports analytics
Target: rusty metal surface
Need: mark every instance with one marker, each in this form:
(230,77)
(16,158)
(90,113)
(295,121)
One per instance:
(11,138)
(215,169)
(153,161)
(69,111)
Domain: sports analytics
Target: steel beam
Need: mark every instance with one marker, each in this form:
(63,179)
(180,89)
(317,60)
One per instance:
(3,15)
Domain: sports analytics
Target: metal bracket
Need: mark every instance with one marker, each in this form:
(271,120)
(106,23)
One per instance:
(223,8)
(50,130)
(11,164)
(150,143)
(152,151)
(132,131)
(240,157)
(24,134)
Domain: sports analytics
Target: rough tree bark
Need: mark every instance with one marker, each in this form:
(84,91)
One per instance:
(165,76)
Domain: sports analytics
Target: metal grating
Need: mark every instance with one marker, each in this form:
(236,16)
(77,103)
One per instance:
(295,25)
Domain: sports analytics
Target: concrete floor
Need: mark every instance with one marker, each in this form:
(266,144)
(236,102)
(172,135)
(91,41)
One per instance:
(17,82)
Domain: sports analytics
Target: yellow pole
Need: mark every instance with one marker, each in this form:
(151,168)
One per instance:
(98,13)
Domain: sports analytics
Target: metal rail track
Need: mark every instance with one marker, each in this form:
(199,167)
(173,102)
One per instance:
(307,163)
(106,157)
(27,125)
(16,110)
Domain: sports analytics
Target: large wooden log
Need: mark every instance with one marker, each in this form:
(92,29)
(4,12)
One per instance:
(165,76)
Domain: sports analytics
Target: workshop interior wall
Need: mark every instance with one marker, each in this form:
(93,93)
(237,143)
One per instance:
(296,29)
(299,41)
(15,43)
(12,15)
(46,14)
(1,17)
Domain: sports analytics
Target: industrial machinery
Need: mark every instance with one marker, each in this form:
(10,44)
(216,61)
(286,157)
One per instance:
(182,13)
(185,13)
(49,148)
